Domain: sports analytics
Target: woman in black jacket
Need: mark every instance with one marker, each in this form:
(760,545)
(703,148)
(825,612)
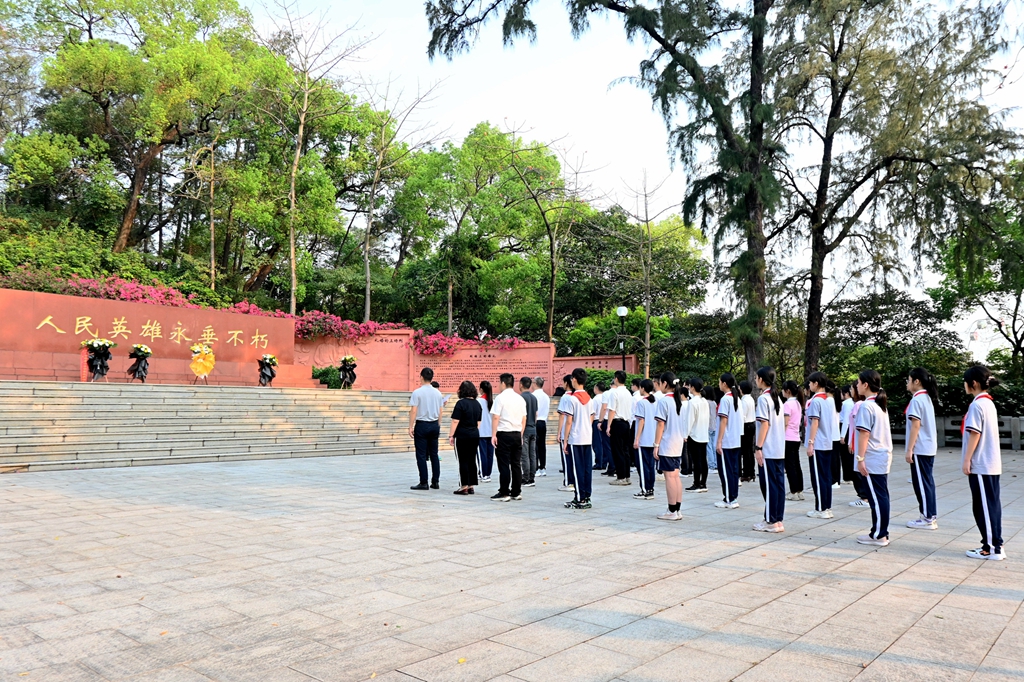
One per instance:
(465,436)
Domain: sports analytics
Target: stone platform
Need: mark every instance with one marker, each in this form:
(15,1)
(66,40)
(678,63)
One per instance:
(332,569)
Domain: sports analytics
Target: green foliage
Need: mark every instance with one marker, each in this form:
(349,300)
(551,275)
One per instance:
(698,345)
(329,376)
(601,335)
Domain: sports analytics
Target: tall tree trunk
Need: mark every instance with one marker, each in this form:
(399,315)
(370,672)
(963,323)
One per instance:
(753,334)
(139,176)
(451,316)
(213,230)
(366,248)
(552,285)
(292,200)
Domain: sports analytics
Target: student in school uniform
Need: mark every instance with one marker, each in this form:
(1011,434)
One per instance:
(563,410)
(618,410)
(634,453)
(837,439)
(465,436)
(644,412)
(821,422)
(508,421)
(747,409)
(425,428)
(579,417)
(697,443)
(860,484)
(792,413)
(982,462)
(874,454)
(922,444)
(485,451)
(529,462)
(730,441)
(543,409)
(711,396)
(673,429)
(601,459)
(770,452)
(845,454)
(601,418)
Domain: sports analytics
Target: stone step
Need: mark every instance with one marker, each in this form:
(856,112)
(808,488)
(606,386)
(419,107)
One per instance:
(92,429)
(141,440)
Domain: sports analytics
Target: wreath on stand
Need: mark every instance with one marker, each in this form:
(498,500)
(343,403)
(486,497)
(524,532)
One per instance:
(140,368)
(202,363)
(347,371)
(98,357)
(267,372)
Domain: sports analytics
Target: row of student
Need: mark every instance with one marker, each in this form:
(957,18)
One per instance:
(670,417)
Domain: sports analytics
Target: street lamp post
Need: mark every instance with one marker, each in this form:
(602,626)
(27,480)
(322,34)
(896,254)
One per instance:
(622,311)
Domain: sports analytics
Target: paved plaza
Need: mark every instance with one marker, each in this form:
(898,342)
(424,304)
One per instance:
(332,569)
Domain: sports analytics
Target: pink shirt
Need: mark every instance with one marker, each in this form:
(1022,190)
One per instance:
(792,410)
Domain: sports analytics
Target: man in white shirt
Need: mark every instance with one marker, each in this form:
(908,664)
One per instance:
(508,419)
(620,408)
(579,433)
(543,408)
(425,427)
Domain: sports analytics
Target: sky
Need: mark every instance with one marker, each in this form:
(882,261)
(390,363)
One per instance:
(558,90)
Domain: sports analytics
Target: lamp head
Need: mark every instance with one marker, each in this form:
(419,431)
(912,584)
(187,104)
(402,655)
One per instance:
(622,311)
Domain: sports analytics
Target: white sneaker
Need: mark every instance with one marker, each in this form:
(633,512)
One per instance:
(910,480)
(860,503)
(835,486)
(620,481)
(722,504)
(761,526)
(928,524)
(992,555)
(671,516)
(815,514)
(734,505)
(792,497)
(485,479)
(868,540)
(567,488)
(542,472)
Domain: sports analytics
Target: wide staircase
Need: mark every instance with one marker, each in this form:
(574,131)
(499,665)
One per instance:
(53,425)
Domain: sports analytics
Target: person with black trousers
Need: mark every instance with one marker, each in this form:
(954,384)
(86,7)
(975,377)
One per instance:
(508,421)
(425,428)
(543,407)
(619,408)
(747,409)
(465,436)
(529,433)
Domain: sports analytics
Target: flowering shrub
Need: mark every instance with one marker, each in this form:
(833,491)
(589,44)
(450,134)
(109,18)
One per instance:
(442,344)
(112,288)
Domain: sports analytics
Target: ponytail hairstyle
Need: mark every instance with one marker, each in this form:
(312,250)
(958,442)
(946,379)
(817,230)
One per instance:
(928,383)
(648,387)
(794,390)
(697,385)
(669,379)
(730,381)
(874,381)
(767,375)
(487,392)
(848,390)
(824,383)
(708,393)
(981,376)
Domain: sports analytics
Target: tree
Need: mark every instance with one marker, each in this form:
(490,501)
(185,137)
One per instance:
(304,92)
(700,345)
(983,267)
(885,96)
(728,111)
(142,79)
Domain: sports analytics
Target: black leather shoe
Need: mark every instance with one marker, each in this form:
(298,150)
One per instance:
(434,486)
(421,486)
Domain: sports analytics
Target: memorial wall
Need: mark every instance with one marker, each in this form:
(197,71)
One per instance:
(41,337)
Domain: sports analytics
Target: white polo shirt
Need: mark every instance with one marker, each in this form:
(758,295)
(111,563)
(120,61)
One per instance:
(543,404)
(822,409)
(620,400)
(983,419)
(645,409)
(774,446)
(581,407)
(700,416)
(563,408)
(873,423)
(428,402)
(922,410)
(510,409)
(733,436)
(677,425)
(748,409)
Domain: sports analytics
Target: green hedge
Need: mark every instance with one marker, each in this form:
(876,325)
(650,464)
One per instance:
(329,376)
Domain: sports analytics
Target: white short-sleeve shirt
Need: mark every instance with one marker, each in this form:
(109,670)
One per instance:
(733,435)
(983,419)
(620,400)
(677,426)
(543,404)
(645,409)
(748,408)
(581,407)
(922,410)
(699,419)
(510,408)
(774,446)
(428,402)
(844,417)
(485,422)
(822,408)
(598,402)
(873,423)
(563,408)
